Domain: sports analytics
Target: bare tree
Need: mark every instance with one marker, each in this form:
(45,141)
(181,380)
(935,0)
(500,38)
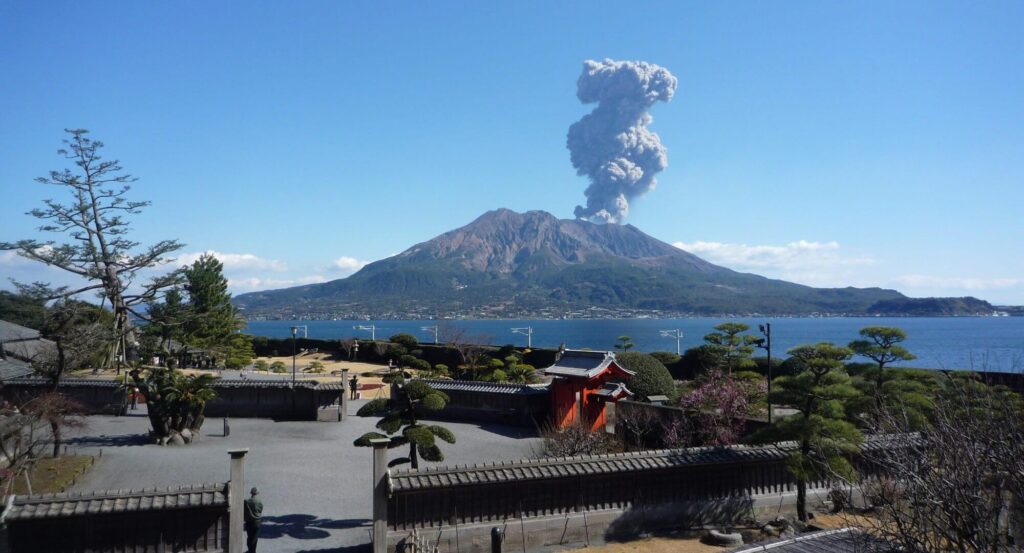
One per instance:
(59,412)
(959,486)
(471,348)
(638,421)
(347,346)
(575,439)
(99,251)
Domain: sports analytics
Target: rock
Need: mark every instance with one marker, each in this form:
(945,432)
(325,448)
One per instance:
(175,439)
(186,435)
(714,537)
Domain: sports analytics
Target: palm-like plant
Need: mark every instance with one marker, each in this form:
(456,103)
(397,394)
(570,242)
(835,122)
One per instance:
(175,401)
(401,425)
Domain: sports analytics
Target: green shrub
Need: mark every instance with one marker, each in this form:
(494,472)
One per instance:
(651,378)
(278,367)
(260,365)
(408,341)
(406,361)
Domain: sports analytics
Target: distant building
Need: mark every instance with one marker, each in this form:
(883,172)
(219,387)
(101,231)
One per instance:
(585,382)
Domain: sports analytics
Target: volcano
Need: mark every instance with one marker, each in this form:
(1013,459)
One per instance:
(509,264)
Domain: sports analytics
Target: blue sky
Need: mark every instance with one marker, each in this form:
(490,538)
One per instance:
(830,143)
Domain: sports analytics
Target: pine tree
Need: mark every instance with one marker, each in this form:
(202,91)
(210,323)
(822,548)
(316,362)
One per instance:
(819,392)
(733,348)
(888,389)
(401,424)
(212,321)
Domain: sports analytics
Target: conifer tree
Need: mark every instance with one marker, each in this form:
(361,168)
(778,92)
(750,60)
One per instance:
(98,250)
(819,392)
(732,347)
(401,423)
(887,389)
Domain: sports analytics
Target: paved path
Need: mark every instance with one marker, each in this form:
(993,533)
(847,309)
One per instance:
(314,483)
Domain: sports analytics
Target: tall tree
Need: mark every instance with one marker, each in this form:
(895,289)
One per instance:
(818,392)
(212,321)
(881,344)
(167,318)
(401,423)
(99,250)
(735,349)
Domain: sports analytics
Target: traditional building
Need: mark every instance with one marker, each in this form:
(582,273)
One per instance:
(585,382)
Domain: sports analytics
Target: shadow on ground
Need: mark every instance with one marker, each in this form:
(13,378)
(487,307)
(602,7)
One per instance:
(122,440)
(307,527)
(361,548)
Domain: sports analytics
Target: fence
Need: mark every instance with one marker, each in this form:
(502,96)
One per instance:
(516,404)
(307,400)
(185,519)
(545,500)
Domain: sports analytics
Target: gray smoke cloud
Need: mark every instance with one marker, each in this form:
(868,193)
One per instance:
(611,145)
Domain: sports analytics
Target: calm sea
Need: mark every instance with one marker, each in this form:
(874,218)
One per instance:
(980,343)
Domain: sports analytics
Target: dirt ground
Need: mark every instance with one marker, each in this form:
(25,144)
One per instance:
(49,475)
(655,545)
(371,386)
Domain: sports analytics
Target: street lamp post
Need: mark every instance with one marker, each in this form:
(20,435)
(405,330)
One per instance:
(766,344)
(371,328)
(295,331)
(677,334)
(528,331)
(430,329)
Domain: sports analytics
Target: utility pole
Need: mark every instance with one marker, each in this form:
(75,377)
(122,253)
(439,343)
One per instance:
(677,334)
(528,332)
(371,328)
(766,344)
(431,329)
(295,330)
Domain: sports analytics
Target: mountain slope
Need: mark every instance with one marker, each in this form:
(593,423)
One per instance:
(506,263)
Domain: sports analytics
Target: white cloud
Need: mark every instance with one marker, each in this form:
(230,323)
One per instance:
(957,283)
(803,261)
(802,253)
(235,261)
(348,265)
(254,284)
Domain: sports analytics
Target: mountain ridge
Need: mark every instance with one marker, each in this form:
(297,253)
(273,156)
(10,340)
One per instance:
(506,264)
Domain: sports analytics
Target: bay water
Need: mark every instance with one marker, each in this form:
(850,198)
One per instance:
(977,343)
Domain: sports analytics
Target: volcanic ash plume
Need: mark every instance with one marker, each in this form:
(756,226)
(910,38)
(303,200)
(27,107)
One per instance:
(611,145)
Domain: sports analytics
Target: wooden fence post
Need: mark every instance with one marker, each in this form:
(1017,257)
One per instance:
(236,497)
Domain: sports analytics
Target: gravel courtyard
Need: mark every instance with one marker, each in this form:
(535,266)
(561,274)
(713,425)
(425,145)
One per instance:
(314,484)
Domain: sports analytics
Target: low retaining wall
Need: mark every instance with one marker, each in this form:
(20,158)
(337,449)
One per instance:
(191,518)
(595,527)
(623,494)
(248,398)
(514,404)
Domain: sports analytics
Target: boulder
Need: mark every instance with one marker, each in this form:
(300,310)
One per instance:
(714,537)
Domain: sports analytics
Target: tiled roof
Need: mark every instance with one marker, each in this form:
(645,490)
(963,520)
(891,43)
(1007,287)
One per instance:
(842,540)
(537,469)
(11,332)
(555,467)
(580,363)
(613,390)
(484,387)
(12,368)
(85,382)
(57,505)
